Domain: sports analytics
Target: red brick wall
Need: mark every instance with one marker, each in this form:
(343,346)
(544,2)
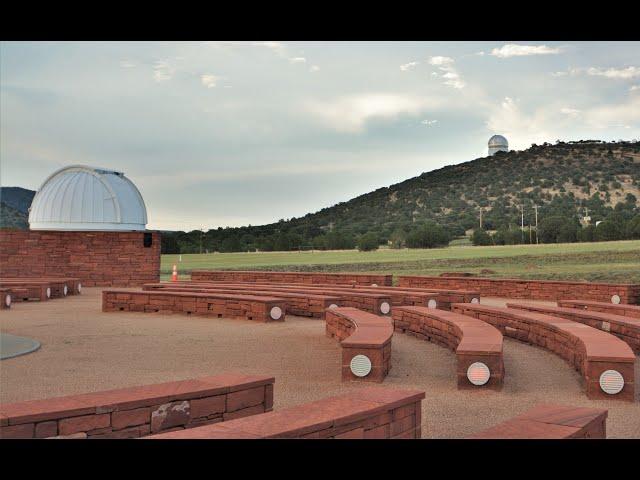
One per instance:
(532,289)
(138,411)
(291,277)
(114,259)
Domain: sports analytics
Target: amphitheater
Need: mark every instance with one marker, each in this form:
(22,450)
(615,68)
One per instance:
(96,346)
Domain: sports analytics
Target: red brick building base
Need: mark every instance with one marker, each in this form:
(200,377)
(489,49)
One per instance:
(103,259)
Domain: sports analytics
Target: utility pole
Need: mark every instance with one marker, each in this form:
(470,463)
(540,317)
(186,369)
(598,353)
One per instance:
(201,235)
(536,209)
(522,222)
(480,218)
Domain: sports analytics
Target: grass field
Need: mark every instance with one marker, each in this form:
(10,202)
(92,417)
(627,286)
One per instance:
(604,261)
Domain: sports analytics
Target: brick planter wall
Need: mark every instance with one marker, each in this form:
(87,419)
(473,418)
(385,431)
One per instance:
(138,411)
(109,259)
(532,289)
(291,277)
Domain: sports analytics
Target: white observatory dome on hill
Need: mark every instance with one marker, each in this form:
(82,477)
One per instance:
(498,143)
(86,198)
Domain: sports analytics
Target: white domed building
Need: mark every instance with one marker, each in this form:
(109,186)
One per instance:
(82,198)
(498,143)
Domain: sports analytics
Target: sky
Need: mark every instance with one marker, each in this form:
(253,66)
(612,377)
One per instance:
(218,134)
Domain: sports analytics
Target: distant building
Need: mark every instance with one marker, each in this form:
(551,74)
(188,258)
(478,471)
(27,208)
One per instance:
(498,143)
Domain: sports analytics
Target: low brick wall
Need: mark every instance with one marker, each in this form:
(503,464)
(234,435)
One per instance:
(138,411)
(532,289)
(472,341)
(551,422)
(301,304)
(103,259)
(592,352)
(623,309)
(371,412)
(361,333)
(626,329)
(377,303)
(25,292)
(222,305)
(291,277)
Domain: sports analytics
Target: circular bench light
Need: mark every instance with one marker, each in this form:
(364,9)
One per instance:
(374,284)
(385,308)
(333,305)
(615,299)
(432,303)
(611,382)
(478,373)
(475,300)
(360,365)
(65,290)
(48,292)
(276,313)
(79,287)
(7,300)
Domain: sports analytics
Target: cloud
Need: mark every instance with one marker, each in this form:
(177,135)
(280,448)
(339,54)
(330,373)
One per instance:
(624,73)
(314,68)
(209,80)
(408,66)
(619,115)
(633,88)
(571,112)
(451,75)
(298,60)
(127,64)
(520,128)
(428,123)
(162,71)
(514,50)
(351,113)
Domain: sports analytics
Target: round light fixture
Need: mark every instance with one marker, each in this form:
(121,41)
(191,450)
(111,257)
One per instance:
(475,300)
(478,373)
(374,284)
(432,303)
(615,299)
(276,313)
(333,305)
(360,365)
(65,290)
(385,308)
(79,287)
(7,300)
(48,292)
(611,382)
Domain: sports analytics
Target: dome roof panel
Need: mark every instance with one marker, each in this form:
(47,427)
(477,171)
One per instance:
(498,140)
(85,198)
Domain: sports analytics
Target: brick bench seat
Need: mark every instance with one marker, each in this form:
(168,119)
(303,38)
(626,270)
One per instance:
(531,289)
(548,421)
(291,277)
(625,328)
(377,303)
(371,412)
(32,290)
(444,297)
(222,305)
(623,309)
(137,411)
(478,345)
(302,304)
(591,351)
(74,285)
(361,334)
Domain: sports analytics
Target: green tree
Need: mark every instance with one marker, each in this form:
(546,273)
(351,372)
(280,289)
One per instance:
(368,242)
(430,235)
(480,237)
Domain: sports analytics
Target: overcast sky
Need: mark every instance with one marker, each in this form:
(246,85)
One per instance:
(236,133)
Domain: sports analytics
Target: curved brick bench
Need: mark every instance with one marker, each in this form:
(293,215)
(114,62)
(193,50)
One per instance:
(551,422)
(371,412)
(478,345)
(361,334)
(291,277)
(222,305)
(445,297)
(377,303)
(532,289)
(592,352)
(28,290)
(137,411)
(74,285)
(623,309)
(626,329)
(302,304)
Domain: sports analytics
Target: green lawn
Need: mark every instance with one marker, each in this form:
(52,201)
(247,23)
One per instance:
(606,261)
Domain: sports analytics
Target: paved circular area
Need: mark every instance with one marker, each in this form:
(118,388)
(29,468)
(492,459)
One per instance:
(14,346)
(84,350)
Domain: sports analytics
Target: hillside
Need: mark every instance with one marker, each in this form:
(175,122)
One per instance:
(14,207)
(567,178)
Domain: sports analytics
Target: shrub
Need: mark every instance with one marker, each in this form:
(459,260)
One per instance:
(368,242)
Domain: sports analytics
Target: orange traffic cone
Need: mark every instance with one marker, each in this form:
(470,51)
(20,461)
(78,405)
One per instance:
(174,275)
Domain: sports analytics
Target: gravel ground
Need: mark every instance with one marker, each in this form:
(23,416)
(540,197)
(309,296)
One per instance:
(84,349)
